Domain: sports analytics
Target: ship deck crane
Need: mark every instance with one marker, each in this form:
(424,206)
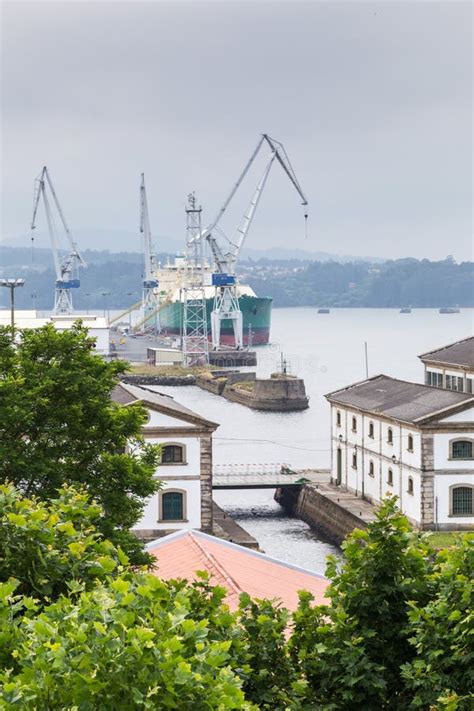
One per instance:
(66,268)
(150,297)
(226,251)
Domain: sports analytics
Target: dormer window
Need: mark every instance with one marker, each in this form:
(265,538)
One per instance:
(389,436)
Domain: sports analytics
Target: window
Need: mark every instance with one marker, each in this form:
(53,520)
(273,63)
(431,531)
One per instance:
(434,379)
(172,506)
(461,449)
(390,436)
(371,430)
(390,477)
(410,485)
(461,501)
(454,382)
(410,443)
(371,469)
(469,385)
(338,419)
(172,454)
(354,424)
(354,460)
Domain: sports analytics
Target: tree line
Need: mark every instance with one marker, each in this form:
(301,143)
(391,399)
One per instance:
(114,281)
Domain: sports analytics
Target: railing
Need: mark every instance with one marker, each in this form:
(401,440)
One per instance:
(249,469)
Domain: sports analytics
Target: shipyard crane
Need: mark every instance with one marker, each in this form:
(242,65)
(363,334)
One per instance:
(66,268)
(226,251)
(150,283)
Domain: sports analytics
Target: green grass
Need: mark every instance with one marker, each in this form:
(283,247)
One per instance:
(444,539)
(172,370)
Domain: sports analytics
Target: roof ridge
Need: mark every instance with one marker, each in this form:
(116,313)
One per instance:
(215,563)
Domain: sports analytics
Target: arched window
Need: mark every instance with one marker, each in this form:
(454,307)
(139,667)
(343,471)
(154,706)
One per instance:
(410,443)
(371,430)
(354,460)
(172,454)
(410,485)
(371,469)
(461,501)
(338,419)
(390,435)
(354,424)
(172,506)
(461,449)
(390,477)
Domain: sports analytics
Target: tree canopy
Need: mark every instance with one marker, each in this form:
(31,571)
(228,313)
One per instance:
(80,628)
(58,425)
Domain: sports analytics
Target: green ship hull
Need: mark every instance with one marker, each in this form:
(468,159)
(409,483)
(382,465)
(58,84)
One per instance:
(256,312)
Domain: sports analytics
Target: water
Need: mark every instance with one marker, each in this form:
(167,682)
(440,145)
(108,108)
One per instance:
(327,350)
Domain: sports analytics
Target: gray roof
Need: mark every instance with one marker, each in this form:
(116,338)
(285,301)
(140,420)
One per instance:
(459,353)
(125,393)
(399,399)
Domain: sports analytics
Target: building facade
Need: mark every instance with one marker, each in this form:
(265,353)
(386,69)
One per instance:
(409,440)
(451,367)
(185,470)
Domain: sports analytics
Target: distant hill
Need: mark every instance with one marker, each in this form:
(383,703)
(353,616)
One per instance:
(113,280)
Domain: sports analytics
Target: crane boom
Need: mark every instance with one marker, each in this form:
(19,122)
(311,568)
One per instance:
(285,163)
(65,268)
(150,261)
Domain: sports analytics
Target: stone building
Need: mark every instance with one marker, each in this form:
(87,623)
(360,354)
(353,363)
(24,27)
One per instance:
(411,440)
(451,367)
(185,500)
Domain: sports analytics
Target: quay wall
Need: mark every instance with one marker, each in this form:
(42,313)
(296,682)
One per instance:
(320,509)
(158,379)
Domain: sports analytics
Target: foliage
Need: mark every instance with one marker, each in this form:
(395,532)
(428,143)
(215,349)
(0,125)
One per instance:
(59,426)
(90,632)
(443,634)
(45,546)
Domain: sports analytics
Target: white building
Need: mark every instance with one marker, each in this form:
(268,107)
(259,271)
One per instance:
(407,439)
(451,367)
(97,325)
(185,500)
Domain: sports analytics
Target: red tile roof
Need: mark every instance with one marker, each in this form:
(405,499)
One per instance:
(238,569)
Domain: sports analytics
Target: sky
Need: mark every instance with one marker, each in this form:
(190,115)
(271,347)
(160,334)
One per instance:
(372,100)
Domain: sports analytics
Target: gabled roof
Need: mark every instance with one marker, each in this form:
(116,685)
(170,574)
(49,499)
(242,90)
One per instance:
(125,394)
(235,568)
(460,353)
(401,400)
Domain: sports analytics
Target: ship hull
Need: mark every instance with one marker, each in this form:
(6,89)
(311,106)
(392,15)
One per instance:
(256,312)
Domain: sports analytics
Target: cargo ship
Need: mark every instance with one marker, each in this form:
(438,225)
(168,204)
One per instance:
(256,310)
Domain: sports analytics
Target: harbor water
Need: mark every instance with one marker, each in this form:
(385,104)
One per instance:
(328,351)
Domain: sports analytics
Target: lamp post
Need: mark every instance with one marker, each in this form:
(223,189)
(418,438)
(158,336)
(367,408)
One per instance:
(12,284)
(104,295)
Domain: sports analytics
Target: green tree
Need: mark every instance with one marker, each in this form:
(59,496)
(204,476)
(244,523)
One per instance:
(352,650)
(442,633)
(59,426)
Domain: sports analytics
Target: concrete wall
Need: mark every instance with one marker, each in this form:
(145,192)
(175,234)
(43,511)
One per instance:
(320,512)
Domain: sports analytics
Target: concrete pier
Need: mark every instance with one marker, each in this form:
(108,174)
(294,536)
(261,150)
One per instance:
(327,508)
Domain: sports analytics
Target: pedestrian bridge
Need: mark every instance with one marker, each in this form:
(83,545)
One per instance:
(264,476)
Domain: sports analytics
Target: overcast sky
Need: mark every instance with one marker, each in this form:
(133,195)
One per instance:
(372,100)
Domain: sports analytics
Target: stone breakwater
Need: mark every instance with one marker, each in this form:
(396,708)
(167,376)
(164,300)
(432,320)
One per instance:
(276,394)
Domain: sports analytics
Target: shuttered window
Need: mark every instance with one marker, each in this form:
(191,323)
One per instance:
(172,504)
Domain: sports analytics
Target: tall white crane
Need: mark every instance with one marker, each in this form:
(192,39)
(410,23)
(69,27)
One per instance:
(66,267)
(150,283)
(227,251)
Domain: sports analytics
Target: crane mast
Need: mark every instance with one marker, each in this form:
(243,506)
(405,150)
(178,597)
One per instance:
(226,251)
(150,296)
(66,268)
